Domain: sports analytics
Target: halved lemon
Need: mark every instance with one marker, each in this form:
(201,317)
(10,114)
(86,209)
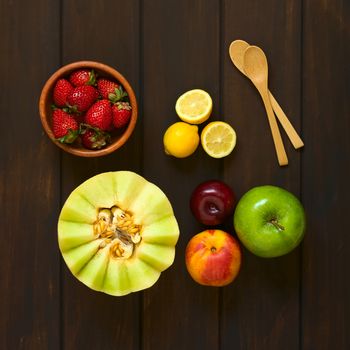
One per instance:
(194,106)
(218,139)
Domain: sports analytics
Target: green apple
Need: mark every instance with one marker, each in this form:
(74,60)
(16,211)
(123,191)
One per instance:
(269,221)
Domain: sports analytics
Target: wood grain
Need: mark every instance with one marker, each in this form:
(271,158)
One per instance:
(29,180)
(105,31)
(261,309)
(179,55)
(325,175)
(300,301)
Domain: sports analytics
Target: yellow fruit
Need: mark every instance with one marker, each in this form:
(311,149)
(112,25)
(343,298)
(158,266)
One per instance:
(194,106)
(181,139)
(218,139)
(117,232)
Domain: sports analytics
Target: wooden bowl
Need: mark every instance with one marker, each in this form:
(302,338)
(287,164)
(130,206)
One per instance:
(46,100)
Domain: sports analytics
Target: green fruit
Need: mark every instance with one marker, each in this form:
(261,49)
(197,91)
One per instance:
(269,221)
(117,232)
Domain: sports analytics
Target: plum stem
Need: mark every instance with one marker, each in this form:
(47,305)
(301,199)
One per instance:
(277,225)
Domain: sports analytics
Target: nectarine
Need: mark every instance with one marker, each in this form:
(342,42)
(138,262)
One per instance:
(213,258)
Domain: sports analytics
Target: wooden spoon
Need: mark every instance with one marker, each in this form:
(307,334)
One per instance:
(236,51)
(256,68)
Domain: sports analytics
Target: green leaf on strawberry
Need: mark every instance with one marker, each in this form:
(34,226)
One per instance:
(64,126)
(92,137)
(70,137)
(92,79)
(118,95)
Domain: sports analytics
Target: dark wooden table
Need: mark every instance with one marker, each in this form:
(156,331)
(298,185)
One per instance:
(300,301)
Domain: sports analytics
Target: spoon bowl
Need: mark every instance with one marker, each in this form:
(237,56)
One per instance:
(255,66)
(236,51)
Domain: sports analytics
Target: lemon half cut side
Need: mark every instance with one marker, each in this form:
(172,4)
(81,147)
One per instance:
(194,106)
(218,139)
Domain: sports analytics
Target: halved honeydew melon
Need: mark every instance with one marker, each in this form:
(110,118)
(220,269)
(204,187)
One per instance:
(117,232)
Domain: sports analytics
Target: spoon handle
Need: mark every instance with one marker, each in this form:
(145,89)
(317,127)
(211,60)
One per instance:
(276,135)
(295,139)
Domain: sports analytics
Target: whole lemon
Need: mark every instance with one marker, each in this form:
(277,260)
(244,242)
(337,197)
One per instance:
(181,139)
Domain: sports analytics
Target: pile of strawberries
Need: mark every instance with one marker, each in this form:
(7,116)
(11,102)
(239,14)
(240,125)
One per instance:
(89,108)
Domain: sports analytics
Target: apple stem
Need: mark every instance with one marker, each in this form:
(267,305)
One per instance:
(277,225)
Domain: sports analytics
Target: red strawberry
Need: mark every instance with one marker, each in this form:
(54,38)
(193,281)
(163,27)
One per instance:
(100,115)
(83,77)
(94,139)
(61,91)
(64,126)
(82,97)
(121,114)
(110,90)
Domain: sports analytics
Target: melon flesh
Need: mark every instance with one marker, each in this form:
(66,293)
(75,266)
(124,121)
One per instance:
(78,257)
(160,257)
(93,273)
(74,234)
(116,281)
(96,258)
(78,209)
(162,232)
